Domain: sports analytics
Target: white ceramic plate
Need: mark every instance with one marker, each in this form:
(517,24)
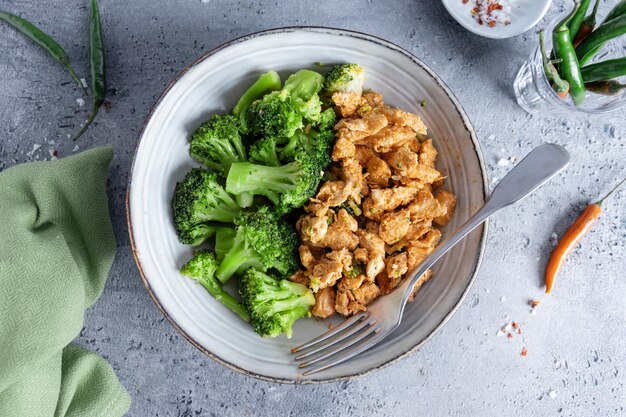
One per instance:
(524,14)
(212,84)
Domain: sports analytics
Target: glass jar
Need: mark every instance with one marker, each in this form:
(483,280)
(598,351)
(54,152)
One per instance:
(534,93)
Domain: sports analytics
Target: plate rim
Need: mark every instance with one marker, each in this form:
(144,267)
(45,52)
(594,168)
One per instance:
(339,32)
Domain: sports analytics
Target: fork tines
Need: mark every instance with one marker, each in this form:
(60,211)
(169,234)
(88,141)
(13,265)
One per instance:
(337,345)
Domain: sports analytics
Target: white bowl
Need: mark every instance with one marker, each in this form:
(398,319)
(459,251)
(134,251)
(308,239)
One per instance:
(212,84)
(524,14)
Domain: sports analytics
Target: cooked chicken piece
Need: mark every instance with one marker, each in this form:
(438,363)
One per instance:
(425,206)
(363,154)
(378,172)
(405,164)
(420,249)
(388,138)
(300,277)
(402,161)
(401,118)
(414,145)
(346,103)
(307,258)
(344,217)
(366,293)
(350,282)
(448,200)
(372,227)
(392,275)
(332,194)
(343,256)
(360,254)
(369,124)
(341,303)
(421,281)
(375,252)
(343,149)
(416,231)
(355,307)
(324,303)
(313,228)
(325,274)
(387,199)
(413,183)
(339,236)
(353,172)
(372,98)
(397,265)
(394,226)
(427,153)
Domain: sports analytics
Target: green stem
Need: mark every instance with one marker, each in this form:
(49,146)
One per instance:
(599,203)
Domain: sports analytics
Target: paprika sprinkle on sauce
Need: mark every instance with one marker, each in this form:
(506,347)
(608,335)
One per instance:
(490,12)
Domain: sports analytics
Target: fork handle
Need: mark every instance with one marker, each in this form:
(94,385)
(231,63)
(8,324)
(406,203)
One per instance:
(530,173)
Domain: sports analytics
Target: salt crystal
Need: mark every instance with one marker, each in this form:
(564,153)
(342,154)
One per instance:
(491,137)
(557,364)
(51,142)
(554,239)
(502,299)
(51,151)
(507,327)
(83,82)
(80,102)
(533,311)
(36,147)
(499,333)
(503,162)
(552,394)
(494,180)
(75,148)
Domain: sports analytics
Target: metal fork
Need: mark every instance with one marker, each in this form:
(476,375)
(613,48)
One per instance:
(366,329)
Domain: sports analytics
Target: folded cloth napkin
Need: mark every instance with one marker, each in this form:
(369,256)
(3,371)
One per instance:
(56,249)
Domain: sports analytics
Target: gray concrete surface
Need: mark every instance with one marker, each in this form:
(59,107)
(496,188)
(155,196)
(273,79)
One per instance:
(576,362)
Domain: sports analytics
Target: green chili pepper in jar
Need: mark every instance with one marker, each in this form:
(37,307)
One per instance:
(44,41)
(96,60)
(596,39)
(578,18)
(587,26)
(558,84)
(564,50)
(604,70)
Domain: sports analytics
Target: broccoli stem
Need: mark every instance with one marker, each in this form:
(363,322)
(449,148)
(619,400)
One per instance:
(267,82)
(216,290)
(239,257)
(292,316)
(244,199)
(224,239)
(245,177)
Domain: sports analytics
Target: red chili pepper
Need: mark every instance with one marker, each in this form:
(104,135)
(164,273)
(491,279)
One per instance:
(572,236)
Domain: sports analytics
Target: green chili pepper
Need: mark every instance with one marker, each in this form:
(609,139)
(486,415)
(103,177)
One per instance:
(577,20)
(605,32)
(587,26)
(564,49)
(618,10)
(604,70)
(96,60)
(44,41)
(560,86)
(607,88)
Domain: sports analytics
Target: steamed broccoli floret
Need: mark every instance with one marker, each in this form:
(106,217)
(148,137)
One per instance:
(287,186)
(224,238)
(264,151)
(201,268)
(198,200)
(280,113)
(267,82)
(303,87)
(344,78)
(274,305)
(261,241)
(317,145)
(217,143)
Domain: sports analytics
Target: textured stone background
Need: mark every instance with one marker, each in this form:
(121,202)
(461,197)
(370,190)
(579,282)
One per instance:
(576,348)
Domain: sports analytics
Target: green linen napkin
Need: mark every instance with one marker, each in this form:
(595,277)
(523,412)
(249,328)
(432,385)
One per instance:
(56,249)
